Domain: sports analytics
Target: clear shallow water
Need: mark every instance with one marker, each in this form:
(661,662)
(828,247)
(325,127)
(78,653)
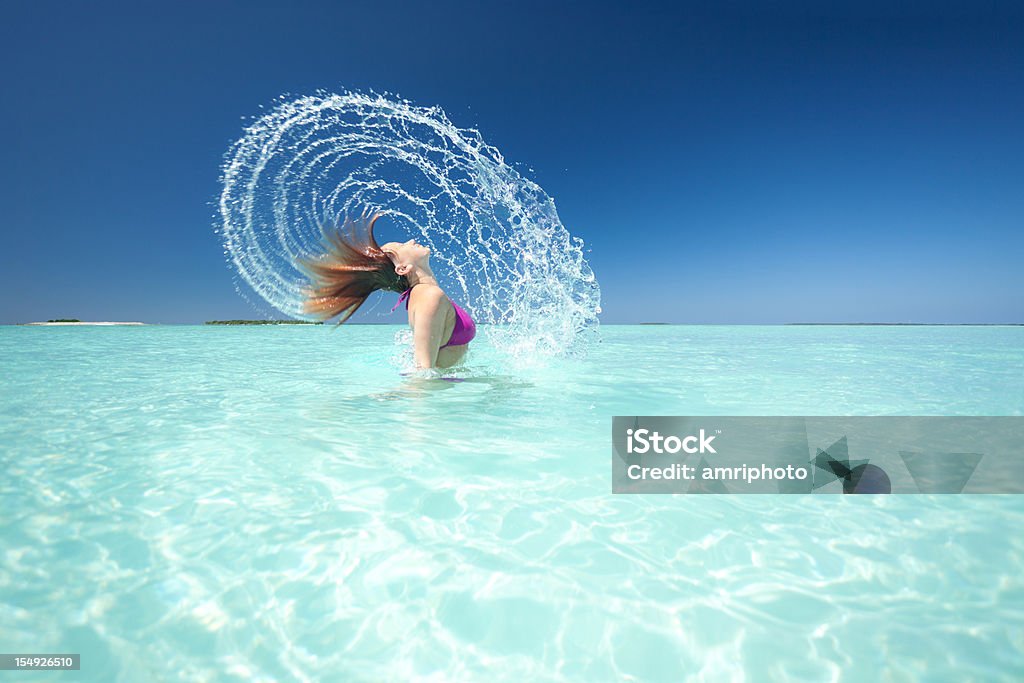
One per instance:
(277,503)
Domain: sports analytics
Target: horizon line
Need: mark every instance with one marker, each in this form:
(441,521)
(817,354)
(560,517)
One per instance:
(667,324)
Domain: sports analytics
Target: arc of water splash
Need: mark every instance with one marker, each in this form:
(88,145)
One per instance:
(495,234)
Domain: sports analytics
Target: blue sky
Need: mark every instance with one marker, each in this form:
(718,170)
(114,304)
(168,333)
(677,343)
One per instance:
(751,163)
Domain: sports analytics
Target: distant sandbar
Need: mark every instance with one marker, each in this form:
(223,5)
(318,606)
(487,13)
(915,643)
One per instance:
(81,323)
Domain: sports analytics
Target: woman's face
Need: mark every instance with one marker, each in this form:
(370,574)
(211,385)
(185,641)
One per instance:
(406,253)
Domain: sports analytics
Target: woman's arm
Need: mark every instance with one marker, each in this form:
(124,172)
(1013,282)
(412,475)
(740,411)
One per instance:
(427,327)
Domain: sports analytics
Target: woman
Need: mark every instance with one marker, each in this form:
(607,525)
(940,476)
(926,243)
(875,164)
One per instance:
(354,266)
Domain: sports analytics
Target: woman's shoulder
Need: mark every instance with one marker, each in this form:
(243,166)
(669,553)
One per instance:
(427,293)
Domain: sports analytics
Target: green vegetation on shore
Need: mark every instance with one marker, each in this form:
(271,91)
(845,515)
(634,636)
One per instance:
(261,322)
(64,320)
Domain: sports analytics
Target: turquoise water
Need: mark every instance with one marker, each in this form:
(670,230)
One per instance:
(278,503)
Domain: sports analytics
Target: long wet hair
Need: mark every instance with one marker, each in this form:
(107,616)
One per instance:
(352,268)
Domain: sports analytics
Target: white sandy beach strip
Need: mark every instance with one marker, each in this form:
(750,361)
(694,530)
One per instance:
(99,323)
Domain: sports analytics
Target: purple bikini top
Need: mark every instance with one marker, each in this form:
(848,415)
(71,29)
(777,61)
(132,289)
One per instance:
(464,330)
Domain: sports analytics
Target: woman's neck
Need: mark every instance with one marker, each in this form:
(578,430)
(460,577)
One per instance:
(421,275)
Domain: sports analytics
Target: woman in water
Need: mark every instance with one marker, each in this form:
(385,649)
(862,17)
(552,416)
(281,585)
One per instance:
(354,266)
